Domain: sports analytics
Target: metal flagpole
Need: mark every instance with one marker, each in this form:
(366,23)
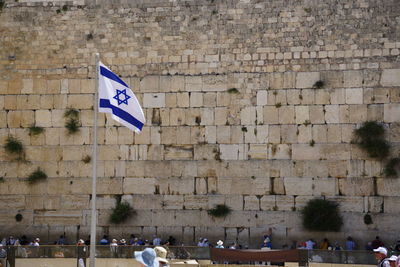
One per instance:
(94,182)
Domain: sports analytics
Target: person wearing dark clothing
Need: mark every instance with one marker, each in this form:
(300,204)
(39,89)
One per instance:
(377,243)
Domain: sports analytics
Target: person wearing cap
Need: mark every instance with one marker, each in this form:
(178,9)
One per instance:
(381,256)
(122,242)
(36,242)
(161,254)
(220,244)
(114,247)
(147,258)
(393,260)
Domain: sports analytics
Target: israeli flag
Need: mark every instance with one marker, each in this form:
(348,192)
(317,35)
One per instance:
(117,98)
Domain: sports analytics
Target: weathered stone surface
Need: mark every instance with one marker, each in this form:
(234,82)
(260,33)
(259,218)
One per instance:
(307,79)
(139,185)
(356,186)
(390,77)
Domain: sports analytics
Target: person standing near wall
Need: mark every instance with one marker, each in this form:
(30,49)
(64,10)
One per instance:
(381,256)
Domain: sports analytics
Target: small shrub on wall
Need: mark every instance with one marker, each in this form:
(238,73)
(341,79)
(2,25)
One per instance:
(220,210)
(370,138)
(121,212)
(322,215)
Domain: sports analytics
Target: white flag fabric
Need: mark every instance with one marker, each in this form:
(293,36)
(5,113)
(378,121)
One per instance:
(117,98)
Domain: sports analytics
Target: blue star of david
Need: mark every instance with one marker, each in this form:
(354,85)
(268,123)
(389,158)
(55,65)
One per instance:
(120,101)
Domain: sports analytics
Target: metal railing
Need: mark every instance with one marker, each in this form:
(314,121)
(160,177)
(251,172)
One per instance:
(176,252)
(56,251)
(341,256)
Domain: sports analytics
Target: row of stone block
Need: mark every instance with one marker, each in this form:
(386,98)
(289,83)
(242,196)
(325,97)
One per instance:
(204,186)
(250,116)
(205,83)
(184,100)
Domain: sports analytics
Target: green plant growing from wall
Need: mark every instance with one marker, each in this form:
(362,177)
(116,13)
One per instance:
(233,91)
(14,148)
(319,84)
(220,211)
(18,217)
(35,130)
(2,5)
(86,159)
(72,124)
(368,219)
(2,179)
(321,215)
(370,138)
(36,176)
(121,212)
(392,167)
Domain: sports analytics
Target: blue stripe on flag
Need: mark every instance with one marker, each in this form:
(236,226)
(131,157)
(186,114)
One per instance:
(111,75)
(105,103)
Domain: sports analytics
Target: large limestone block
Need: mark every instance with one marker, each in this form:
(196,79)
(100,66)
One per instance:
(388,186)
(392,205)
(251,203)
(215,83)
(244,186)
(375,204)
(229,152)
(248,116)
(332,113)
(146,202)
(207,116)
(356,186)
(391,112)
(325,187)
(184,168)
(196,202)
(9,225)
(354,204)
(196,99)
(154,100)
(80,101)
(13,202)
(150,84)
(262,98)
(102,202)
(298,186)
(75,202)
(289,134)
(335,151)
(390,77)
(279,151)
(353,78)
(258,151)
(286,115)
(205,152)
(302,114)
(301,201)
(60,217)
(245,169)
(158,169)
(354,96)
(175,186)
(177,116)
(139,185)
(173,202)
(306,152)
(43,118)
(284,203)
(307,79)
(178,152)
(268,203)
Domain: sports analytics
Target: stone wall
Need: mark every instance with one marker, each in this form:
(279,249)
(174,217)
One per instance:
(233,116)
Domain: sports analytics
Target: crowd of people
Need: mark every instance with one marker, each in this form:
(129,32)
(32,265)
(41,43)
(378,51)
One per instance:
(376,245)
